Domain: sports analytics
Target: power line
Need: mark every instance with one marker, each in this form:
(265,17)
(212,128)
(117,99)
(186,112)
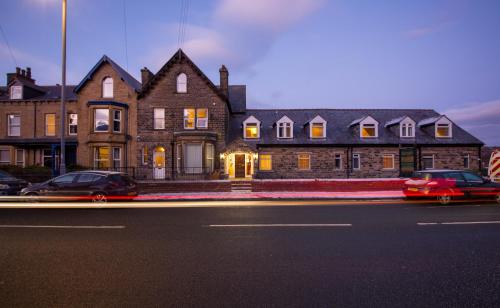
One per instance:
(125,31)
(8,46)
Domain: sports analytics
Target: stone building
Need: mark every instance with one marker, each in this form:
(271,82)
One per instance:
(177,124)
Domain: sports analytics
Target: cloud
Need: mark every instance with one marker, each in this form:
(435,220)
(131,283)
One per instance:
(480,118)
(424,31)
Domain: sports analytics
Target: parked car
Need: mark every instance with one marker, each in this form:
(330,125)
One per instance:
(97,186)
(9,185)
(447,184)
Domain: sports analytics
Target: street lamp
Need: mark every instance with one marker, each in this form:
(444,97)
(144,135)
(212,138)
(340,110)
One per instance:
(62,154)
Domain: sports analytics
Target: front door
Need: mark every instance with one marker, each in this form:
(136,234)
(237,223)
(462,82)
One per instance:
(239,165)
(159,163)
(407,162)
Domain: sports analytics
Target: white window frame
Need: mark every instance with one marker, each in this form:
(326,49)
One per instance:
(433,161)
(466,157)
(16,92)
(181,82)
(404,126)
(270,162)
(23,161)
(210,157)
(72,124)
(47,125)
(5,162)
(161,111)
(95,121)
(186,118)
(119,120)
(339,156)
(251,120)
(309,161)
(317,120)
(284,122)
(199,121)
(114,158)
(358,156)
(10,126)
(108,87)
(368,121)
(393,157)
(443,121)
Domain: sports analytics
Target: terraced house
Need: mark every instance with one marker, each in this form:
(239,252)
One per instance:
(177,124)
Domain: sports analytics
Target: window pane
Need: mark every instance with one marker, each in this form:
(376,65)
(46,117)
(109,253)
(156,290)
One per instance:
(442,130)
(356,161)
(338,161)
(14,122)
(189,118)
(251,130)
(304,161)
(5,156)
(466,161)
(102,157)
(265,162)
(182,83)
(427,162)
(317,130)
(107,87)
(368,130)
(73,123)
(117,120)
(67,178)
(388,162)
(50,124)
(202,118)
(101,120)
(16,92)
(159,118)
(472,177)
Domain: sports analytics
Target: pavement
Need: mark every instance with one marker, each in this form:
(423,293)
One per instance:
(233,254)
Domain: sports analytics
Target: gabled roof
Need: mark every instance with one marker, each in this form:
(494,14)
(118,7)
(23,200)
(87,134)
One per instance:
(178,57)
(124,75)
(284,119)
(316,119)
(357,121)
(397,121)
(338,131)
(429,121)
(251,119)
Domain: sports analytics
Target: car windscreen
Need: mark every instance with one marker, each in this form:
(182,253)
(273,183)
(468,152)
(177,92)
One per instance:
(5,176)
(88,178)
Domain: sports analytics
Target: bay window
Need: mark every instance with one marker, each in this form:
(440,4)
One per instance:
(101,120)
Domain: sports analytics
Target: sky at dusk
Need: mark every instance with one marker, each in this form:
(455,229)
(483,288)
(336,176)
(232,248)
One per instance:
(442,55)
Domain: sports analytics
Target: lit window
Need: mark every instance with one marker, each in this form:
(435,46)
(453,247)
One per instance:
(356,161)
(407,130)
(388,161)
(73,124)
(368,131)
(50,124)
(16,92)
(304,161)
(101,120)
(251,130)
(443,130)
(144,155)
(209,157)
(117,157)
(5,156)
(182,83)
(338,161)
(20,158)
(265,162)
(159,118)
(101,158)
(107,87)
(117,119)
(189,118)
(428,162)
(14,124)
(202,118)
(466,161)
(317,130)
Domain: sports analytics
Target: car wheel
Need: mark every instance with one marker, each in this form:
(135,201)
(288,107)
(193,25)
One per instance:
(32,197)
(99,197)
(444,199)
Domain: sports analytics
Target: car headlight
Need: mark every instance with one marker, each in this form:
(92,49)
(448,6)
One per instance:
(4,186)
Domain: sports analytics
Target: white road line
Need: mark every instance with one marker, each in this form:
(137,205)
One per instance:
(62,227)
(278,225)
(458,223)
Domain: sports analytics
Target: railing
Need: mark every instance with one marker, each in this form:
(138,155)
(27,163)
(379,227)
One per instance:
(191,173)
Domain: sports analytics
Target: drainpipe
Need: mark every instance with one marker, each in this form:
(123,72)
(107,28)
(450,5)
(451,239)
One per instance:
(349,157)
(480,161)
(126,140)
(173,160)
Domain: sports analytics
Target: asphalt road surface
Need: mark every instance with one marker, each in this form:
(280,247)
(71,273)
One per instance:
(250,256)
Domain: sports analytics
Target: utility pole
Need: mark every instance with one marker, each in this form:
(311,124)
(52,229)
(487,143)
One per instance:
(62,154)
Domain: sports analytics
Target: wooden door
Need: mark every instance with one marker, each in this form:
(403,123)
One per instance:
(407,162)
(239,165)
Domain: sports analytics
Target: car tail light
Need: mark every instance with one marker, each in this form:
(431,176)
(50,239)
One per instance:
(432,183)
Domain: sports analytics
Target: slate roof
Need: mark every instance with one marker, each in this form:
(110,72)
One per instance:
(51,92)
(394,121)
(428,121)
(127,78)
(238,98)
(339,131)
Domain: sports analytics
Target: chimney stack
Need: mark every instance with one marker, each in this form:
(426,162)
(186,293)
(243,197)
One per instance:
(18,71)
(146,76)
(28,72)
(23,73)
(224,80)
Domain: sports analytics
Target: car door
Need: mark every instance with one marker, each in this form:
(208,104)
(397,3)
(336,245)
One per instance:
(84,185)
(459,185)
(477,186)
(63,185)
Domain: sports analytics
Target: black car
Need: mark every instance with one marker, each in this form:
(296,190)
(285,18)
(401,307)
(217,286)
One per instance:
(95,186)
(9,185)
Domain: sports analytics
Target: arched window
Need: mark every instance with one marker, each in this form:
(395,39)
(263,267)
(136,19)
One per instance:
(181,83)
(107,87)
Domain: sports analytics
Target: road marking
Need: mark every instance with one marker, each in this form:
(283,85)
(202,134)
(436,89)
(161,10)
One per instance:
(278,225)
(62,227)
(458,223)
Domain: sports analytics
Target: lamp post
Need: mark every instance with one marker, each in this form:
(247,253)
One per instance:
(62,167)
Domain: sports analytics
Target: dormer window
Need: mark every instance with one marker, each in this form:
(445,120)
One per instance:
(317,128)
(16,92)
(443,130)
(107,87)
(368,128)
(407,128)
(251,128)
(181,83)
(284,128)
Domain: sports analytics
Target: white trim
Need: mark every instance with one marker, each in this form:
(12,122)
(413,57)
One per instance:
(181,85)
(19,88)
(111,90)
(309,161)
(407,122)
(317,120)
(9,125)
(119,120)
(341,161)
(368,121)
(468,161)
(69,124)
(433,158)
(284,120)
(443,120)
(159,118)
(393,161)
(359,161)
(23,156)
(251,120)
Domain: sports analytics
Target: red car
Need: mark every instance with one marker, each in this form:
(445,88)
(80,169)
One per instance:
(445,185)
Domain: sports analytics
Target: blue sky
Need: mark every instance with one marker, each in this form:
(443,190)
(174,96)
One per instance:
(442,55)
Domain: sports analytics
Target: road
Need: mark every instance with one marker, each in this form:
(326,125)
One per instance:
(337,255)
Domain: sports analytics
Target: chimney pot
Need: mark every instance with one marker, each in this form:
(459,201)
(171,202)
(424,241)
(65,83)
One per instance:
(28,72)
(18,70)
(23,73)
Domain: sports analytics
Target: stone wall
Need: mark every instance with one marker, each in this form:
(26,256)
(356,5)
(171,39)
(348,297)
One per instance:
(452,157)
